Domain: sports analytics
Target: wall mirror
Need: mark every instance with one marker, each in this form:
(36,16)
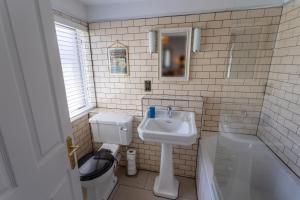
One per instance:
(174,54)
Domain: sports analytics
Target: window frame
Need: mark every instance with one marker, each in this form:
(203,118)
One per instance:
(83,71)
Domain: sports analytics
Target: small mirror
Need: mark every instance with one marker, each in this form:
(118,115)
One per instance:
(174,53)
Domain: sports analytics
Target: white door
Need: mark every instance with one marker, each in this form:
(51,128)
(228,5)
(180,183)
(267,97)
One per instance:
(34,120)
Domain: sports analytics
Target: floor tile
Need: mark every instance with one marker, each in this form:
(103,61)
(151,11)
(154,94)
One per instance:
(113,194)
(84,194)
(187,188)
(140,187)
(138,181)
(130,193)
(150,180)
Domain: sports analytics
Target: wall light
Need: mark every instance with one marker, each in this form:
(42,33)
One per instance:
(152,41)
(197,40)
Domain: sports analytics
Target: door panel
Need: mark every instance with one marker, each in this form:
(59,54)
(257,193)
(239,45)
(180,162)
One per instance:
(7,179)
(34,121)
(63,190)
(47,132)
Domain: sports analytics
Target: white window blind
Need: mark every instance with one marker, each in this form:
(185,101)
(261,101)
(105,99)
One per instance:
(72,66)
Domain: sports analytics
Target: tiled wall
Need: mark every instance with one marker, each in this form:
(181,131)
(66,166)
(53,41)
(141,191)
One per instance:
(81,132)
(280,119)
(232,99)
(148,153)
(184,157)
(233,102)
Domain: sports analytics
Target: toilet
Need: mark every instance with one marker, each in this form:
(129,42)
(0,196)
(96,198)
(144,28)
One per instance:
(97,169)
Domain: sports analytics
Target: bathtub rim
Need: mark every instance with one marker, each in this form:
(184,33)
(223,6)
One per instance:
(204,158)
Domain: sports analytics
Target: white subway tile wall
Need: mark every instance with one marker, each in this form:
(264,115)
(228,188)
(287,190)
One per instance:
(184,157)
(81,132)
(279,126)
(233,102)
(233,89)
(148,153)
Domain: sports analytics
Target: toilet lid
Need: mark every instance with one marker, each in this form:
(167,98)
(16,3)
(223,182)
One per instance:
(96,164)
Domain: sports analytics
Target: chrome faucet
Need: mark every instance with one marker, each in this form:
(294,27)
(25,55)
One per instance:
(169,109)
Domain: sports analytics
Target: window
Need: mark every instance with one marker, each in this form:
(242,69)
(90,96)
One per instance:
(70,50)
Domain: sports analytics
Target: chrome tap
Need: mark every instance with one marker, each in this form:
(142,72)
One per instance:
(169,109)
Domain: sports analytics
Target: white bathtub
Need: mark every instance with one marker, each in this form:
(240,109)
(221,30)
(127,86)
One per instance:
(241,167)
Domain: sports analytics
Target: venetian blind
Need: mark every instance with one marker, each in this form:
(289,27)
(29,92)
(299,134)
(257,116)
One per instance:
(73,71)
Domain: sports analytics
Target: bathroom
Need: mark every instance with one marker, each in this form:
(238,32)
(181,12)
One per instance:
(93,75)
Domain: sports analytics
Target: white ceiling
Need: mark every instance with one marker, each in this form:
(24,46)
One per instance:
(105,2)
(100,10)
(128,9)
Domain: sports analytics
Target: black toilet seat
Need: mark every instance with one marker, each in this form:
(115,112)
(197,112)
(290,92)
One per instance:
(93,165)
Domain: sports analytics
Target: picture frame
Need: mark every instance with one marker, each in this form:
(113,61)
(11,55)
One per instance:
(174,53)
(118,59)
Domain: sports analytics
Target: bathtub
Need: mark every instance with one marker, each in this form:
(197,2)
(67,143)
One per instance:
(241,167)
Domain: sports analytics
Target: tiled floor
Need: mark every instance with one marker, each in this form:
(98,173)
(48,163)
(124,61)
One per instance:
(140,187)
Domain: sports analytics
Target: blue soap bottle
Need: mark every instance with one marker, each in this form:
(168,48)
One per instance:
(151,112)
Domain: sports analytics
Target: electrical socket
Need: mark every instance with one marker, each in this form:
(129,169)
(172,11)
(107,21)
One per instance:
(147,86)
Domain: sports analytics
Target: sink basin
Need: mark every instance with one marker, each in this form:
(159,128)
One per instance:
(179,128)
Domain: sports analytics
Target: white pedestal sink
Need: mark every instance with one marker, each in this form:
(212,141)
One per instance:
(178,129)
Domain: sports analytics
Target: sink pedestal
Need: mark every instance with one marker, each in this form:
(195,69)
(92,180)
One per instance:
(180,129)
(166,185)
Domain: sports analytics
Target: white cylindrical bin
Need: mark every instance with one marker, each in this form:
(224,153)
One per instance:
(131,163)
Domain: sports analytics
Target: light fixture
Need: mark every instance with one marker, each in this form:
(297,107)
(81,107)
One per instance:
(197,40)
(152,41)
(167,60)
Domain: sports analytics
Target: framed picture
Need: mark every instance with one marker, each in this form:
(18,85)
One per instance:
(174,54)
(118,59)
